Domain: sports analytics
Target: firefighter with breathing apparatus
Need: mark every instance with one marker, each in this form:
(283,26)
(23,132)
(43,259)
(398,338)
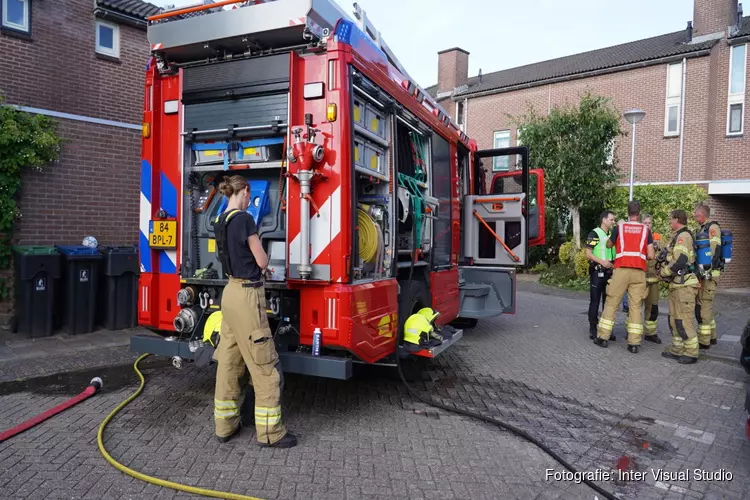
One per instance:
(652,285)
(714,240)
(633,245)
(677,266)
(245,338)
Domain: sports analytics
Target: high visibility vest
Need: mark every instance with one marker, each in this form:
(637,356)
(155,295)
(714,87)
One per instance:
(600,250)
(631,245)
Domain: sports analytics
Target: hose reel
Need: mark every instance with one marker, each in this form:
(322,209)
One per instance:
(371,241)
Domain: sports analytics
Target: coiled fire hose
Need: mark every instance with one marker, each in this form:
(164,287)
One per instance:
(368,236)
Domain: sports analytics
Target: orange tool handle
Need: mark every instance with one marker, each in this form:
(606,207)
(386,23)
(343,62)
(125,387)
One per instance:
(491,200)
(192,9)
(510,252)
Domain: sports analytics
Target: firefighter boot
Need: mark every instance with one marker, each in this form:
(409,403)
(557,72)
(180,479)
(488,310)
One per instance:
(224,439)
(288,441)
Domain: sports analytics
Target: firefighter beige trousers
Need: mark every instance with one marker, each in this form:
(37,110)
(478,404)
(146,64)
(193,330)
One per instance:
(633,282)
(246,340)
(704,311)
(652,308)
(681,316)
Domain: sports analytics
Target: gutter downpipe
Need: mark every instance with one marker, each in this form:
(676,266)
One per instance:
(466,116)
(682,119)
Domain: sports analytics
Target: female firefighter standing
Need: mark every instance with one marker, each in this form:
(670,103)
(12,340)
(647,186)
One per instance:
(245,338)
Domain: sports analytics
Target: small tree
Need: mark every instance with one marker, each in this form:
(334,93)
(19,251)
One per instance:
(575,147)
(26,141)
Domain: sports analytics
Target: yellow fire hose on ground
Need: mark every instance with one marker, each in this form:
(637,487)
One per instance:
(150,479)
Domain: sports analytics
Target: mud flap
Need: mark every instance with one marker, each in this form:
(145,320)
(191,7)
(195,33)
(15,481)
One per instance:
(485,292)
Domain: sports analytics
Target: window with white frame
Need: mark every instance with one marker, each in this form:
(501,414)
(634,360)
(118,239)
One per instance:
(17,15)
(674,94)
(107,39)
(502,140)
(460,112)
(736,101)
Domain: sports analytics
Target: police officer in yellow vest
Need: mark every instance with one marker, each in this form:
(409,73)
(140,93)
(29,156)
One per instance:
(677,267)
(601,259)
(245,338)
(704,311)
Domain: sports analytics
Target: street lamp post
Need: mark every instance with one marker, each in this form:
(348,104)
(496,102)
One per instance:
(633,116)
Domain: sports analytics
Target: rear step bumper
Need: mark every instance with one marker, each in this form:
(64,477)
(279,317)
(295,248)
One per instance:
(291,362)
(435,351)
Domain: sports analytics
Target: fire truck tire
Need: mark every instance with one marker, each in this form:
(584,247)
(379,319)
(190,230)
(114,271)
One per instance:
(413,297)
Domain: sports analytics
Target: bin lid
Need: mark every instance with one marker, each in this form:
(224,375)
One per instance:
(122,249)
(34,250)
(77,250)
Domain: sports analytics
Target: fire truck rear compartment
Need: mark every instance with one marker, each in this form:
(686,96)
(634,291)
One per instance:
(234,123)
(234,117)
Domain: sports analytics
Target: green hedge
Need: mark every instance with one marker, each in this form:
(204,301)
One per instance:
(659,201)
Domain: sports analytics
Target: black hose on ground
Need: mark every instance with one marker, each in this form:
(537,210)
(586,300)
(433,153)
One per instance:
(490,420)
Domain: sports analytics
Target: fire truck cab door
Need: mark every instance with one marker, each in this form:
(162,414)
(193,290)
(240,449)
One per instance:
(496,225)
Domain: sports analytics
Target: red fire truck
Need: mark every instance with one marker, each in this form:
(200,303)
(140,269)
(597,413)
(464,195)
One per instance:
(369,200)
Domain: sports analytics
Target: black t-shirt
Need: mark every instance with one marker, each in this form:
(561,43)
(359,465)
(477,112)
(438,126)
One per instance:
(241,226)
(613,235)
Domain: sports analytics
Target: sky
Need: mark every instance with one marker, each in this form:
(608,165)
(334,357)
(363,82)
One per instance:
(501,34)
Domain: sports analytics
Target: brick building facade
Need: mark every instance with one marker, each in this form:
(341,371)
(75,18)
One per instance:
(693,132)
(81,62)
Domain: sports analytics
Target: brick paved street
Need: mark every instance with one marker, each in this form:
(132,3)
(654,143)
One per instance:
(367,438)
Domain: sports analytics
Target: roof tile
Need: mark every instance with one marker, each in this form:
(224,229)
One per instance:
(657,47)
(135,8)
(670,44)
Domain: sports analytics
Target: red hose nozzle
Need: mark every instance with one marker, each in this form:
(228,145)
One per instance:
(94,386)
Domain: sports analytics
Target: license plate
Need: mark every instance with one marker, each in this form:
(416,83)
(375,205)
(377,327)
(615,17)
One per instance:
(163,234)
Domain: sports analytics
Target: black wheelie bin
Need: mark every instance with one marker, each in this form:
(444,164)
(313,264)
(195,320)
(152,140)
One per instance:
(36,270)
(119,287)
(80,282)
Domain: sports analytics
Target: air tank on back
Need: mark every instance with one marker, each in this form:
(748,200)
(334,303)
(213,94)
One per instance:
(703,251)
(726,245)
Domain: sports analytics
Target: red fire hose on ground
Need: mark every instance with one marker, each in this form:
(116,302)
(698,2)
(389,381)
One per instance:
(94,386)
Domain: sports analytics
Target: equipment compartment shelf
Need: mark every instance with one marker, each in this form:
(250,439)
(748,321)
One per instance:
(370,173)
(250,166)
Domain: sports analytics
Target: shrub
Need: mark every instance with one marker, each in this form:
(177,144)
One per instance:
(659,201)
(539,267)
(581,263)
(27,142)
(566,252)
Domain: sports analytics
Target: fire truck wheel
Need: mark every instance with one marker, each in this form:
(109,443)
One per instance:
(412,298)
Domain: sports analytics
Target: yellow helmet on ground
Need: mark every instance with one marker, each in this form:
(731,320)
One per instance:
(429,313)
(417,330)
